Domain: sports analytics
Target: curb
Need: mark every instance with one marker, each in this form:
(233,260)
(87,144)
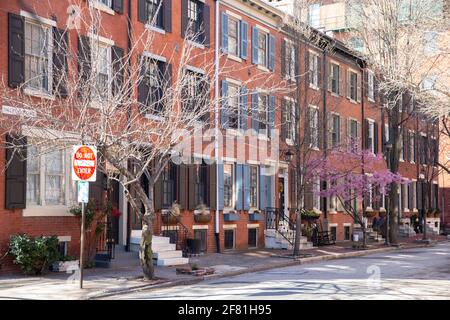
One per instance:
(295,262)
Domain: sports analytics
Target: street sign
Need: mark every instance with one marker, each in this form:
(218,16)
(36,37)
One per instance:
(83,191)
(84,163)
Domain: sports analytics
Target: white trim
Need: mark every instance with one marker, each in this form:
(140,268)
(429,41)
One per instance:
(170,228)
(229,160)
(262,68)
(234,15)
(149,27)
(38,93)
(229,226)
(195,69)
(46,211)
(154,56)
(101,6)
(195,44)
(64,238)
(233,57)
(99,38)
(262,28)
(254,162)
(253,225)
(36,18)
(347,224)
(234,81)
(200,227)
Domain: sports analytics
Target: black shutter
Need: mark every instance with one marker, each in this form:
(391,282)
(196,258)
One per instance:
(366,134)
(297,62)
(405,144)
(117,65)
(143,87)
(96,189)
(191,186)
(307,75)
(16,173)
(16,56)
(293,186)
(184,17)
(212,185)
(283,119)
(383,137)
(375,137)
(167,15)
(142,12)
(182,178)
(60,65)
(366,83)
(206,25)
(118,6)
(319,71)
(158,193)
(283,58)
(84,66)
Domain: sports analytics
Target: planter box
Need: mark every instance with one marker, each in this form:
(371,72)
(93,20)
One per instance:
(170,219)
(202,218)
(255,217)
(231,217)
(64,266)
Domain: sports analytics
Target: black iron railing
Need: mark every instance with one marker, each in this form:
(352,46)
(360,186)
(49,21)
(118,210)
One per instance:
(173,228)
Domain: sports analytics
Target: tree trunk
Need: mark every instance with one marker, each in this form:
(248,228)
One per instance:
(298,221)
(145,251)
(393,213)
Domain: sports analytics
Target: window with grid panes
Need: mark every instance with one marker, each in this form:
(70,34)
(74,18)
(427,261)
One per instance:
(253,186)
(233,36)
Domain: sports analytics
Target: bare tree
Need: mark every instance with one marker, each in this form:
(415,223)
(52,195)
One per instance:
(135,109)
(393,33)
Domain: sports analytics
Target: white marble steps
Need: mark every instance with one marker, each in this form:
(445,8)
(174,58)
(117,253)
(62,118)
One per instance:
(164,252)
(274,240)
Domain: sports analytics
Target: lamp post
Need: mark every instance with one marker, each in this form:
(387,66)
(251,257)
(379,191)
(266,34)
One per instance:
(388,145)
(288,156)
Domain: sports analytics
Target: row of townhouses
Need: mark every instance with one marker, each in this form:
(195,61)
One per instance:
(332,98)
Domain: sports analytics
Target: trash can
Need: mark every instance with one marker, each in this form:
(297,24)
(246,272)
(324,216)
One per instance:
(355,237)
(193,246)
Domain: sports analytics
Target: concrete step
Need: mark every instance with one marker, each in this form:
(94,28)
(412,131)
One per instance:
(160,247)
(172,261)
(168,254)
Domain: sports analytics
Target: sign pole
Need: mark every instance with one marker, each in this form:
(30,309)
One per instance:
(82,244)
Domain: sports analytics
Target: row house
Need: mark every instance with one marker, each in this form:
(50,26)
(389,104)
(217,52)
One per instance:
(275,88)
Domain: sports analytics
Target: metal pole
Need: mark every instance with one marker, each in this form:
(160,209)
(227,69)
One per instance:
(216,122)
(387,221)
(82,244)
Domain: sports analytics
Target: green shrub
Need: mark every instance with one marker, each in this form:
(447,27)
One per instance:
(34,255)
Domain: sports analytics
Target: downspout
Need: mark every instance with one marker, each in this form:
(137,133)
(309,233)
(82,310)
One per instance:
(128,225)
(325,128)
(216,123)
(363,129)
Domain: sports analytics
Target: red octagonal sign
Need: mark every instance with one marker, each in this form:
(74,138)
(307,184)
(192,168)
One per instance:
(84,163)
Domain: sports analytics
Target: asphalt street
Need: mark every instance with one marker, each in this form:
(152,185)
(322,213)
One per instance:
(407,274)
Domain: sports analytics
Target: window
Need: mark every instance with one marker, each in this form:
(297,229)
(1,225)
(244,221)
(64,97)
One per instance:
(313,70)
(353,86)
(313,127)
(353,134)
(262,49)
(195,93)
(430,39)
(202,235)
(154,12)
(195,20)
(429,82)
(316,194)
(314,15)
(335,130)
(168,177)
(346,233)
(253,237)
(402,153)
(412,147)
(105,2)
(405,199)
(233,107)
(200,184)
(335,74)
(333,233)
(312,196)
(371,86)
(290,120)
(371,136)
(152,70)
(369,203)
(263,113)
(357,44)
(333,203)
(290,61)
(63,248)
(101,61)
(47,178)
(414,194)
(253,187)
(229,239)
(233,36)
(228,184)
(38,56)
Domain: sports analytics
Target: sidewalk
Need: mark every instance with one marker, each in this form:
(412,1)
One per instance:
(105,282)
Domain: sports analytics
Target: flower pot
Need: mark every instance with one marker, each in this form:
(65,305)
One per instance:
(64,266)
(170,219)
(370,214)
(202,217)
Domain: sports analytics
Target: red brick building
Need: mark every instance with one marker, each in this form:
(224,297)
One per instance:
(269,77)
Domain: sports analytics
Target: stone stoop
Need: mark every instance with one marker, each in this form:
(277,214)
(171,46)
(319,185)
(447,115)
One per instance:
(406,231)
(164,252)
(274,240)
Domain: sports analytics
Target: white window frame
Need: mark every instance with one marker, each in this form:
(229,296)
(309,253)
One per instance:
(314,141)
(238,35)
(263,33)
(316,196)
(313,70)
(349,74)
(314,15)
(253,208)
(371,86)
(338,81)
(47,25)
(233,186)
(290,60)
(412,146)
(402,156)
(290,130)
(372,134)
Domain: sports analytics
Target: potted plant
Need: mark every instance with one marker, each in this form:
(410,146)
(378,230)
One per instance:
(310,215)
(202,214)
(65,263)
(370,214)
(173,215)
(430,213)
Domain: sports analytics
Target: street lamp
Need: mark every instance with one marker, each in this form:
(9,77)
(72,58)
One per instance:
(289,155)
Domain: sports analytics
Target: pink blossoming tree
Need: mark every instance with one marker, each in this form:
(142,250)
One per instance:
(351,176)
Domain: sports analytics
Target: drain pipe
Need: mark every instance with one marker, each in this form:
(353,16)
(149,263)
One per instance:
(216,123)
